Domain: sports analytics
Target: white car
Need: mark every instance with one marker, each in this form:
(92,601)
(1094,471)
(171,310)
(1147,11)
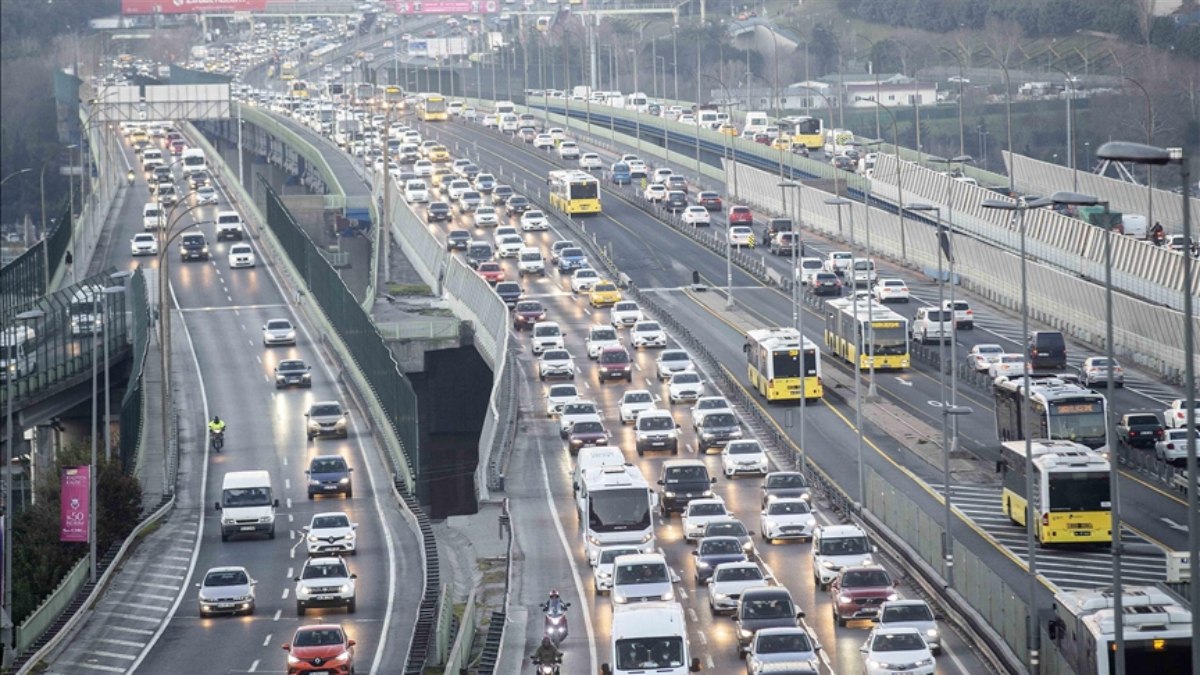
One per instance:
(696,216)
(637,168)
(568,150)
(1008,365)
(838,261)
(509,246)
(558,396)
(325,582)
(278,332)
(655,192)
(547,335)
(809,268)
(699,512)
(1172,447)
(534,220)
(685,386)
(590,161)
(672,361)
(660,175)
(583,280)
(573,411)
(205,194)
(634,402)
(423,167)
(456,188)
(1177,415)
(625,313)
(556,363)
(888,647)
(543,142)
(787,518)
(890,290)
(648,334)
(330,532)
(912,614)
(143,243)
(788,646)
(241,255)
(729,580)
(744,456)
(741,235)
(599,337)
(708,404)
(505,231)
(602,567)
(485,215)
(983,356)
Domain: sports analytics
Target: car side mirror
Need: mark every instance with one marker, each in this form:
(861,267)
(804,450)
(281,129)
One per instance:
(287,647)
(306,414)
(939,617)
(275,503)
(695,665)
(264,327)
(353,576)
(295,578)
(660,482)
(677,426)
(800,614)
(354,526)
(307,472)
(750,533)
(351,643)
(350,470)
(874,549)
(304,529)
(197,584)
(217,505)
(712,480)
(696,554)
(862,649)
(605,669)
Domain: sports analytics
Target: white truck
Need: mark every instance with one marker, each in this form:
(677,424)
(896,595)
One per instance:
(650,637)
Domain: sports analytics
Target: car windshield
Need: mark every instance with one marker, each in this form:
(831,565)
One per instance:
(739,573)
(326,522)
(902,642)
(579,409)
(328,465)
(641,654)
(685,378)
(603,333)
(719,420)
(326,410)
(685,474)
(865,579)
(614,356)
(324,571)
(989,349)
(744,449)
(587,428)
(547,331)
(642,573)
(279,325)
(609,555)
(291,365)
(674,356)
(785,642)
(226,578)
(706,509)
(316,637)
(656,423)
(712,404)
(625,307)
(255,496)
(639,397)
(556,355)
(648,327)
(572,253)
(558,391)
(907,613)
(730,529)
(844,546)
(777,607)
(719,546)
(786,480)
(586,274)
(529,307)
(779,508)
(533,215)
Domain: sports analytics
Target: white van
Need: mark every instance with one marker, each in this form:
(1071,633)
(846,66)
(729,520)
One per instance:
(247,504)
(151,216)
(1134,225)
(709,119)
(638,101)
(863,272)
(755,122)
(151,157)
(650,637)
(642,577)
(509,123)
(505,108)
(593,457)
(18,354)
(529,261)
(193,161)
(835,547)
(416,191)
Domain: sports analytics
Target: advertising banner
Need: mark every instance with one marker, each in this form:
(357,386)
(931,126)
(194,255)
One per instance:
(446,6)
(74,507)
(193,6)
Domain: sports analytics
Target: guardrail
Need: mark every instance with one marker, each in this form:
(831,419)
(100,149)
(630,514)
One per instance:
(464,642)
(337,197)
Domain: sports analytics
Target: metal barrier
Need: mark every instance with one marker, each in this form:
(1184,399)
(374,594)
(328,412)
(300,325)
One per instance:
(34,625)
(460,652)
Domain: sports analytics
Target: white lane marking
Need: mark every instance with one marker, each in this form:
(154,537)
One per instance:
(566,546)
(277,613)
(267,640)
(235,308)
(254,666)
(94,666)
(287,483)
(135,631)
(286,592)
(259,358)
(291,572)
(123,643)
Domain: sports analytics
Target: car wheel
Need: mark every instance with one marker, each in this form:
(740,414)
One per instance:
(310,495)
(641,453)
(840,621)
(271,534)
(224,537)
(352,606)
(299,609)
(350,494)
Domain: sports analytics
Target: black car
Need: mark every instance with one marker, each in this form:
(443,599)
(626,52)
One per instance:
(712,551)
(675,201)
(197,179)
(765,607)
(682,481)
(193,246)
(457,239)
(293,372)
(329,474)
(516,205)
(716,430)
(500,194)
(528,312)
(437,211)
(826,283)
(470,171)
(510,292)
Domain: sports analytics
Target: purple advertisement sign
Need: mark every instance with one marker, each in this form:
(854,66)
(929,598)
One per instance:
(74,506)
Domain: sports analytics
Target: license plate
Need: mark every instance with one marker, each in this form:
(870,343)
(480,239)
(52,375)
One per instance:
(1079,526)
(1082,533)
(689,494)
(226,605)
(905,672)
(331,487)
(658,444)
(326,672)
(246,528)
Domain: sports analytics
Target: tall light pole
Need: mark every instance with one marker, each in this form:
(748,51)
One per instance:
(875,72)
(1136,153)
(1070,87)
(962,144)
(797,309)
(1149,141)
(95,471)
(733,163)
(119,277)
(839,202)
(1012,187)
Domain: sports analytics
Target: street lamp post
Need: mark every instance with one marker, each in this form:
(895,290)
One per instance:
(797,310)
(1070,85)
(961,128)
(839,202)
(1149,141)
(116,276)
(1137,153)
(95,467)
(1012,188)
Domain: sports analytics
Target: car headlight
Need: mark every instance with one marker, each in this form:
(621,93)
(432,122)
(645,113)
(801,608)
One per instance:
(745,634)
(806,497)
(647,537)
(303,590)
(893,597)
(826,564)
(707,435)
(313,481)
(343,656)
(931,633)
(293,661)
(845,599)
(701,564)
(620,599)
(594,541)
(602,574)
(266,519)
(669,495)
(720,596)
(344,588)
(313,539)
(669,595)
(925,662)
(748,546)
(706,494)
(205,249)
(344,481)
(867,560)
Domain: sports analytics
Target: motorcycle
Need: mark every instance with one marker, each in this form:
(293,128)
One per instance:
(556,621)
(217,439)
(546,667)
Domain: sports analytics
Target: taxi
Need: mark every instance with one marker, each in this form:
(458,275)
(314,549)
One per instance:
(604,294)
(728,129)
(781,143)
(439,153)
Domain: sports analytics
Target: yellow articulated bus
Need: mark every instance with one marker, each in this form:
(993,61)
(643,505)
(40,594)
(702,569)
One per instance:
(574,192)
(882,334)
(803,130)
(774,361)
(298,89)
(432,108)
(1073,492)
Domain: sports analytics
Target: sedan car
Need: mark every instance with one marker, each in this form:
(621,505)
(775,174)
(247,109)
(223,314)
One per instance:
(205,194)
(438,211)
(293,372)
(785,485)
(602,568)
(699,512)
(1172,447)
(574,411)
(685,385)
(423,167)
(787,518)
(912,614)
(711,201)
(600,337)
(329,474)
(1094,369)
(320,648)
(143,243)
(278,332)
(326,418)
(501,194)
(625,313)
(1008,365)
(634,402)
(528,312)
(590,161)
(741,235)
(714,551)
(330,532)
(586,433)
(889,651)
(509,245)
(226,590)
(556,363)
(762,608)
(603,294)
(672,361)
(491,272)
(534,220)
(583,280)
(241,255)
(775,650)
(740,215)
(1177,416)
(516,205)
(558,396)
(729,580)
(572,258)
(983,356)
(826,283)
(696,216)
(510,292)
(745,456)
(648,334)
(655,192)
(485,216)
(708,404)
(890,290)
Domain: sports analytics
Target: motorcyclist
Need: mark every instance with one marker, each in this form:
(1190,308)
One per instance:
(555,605)
(547,653)
(216,425)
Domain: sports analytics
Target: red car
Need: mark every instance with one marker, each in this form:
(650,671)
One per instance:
(859,591)
(763,138)
(741,215)
(492,272)
(709,200)
(177,147)
(323,648)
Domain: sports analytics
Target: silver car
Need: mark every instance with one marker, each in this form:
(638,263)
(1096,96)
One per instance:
(278,332)
(790,645)
(672,361)
(226,590)
(326,418)
(912,614)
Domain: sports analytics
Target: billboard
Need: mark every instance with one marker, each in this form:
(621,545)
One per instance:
(74,506)
(193,6)
(446,6)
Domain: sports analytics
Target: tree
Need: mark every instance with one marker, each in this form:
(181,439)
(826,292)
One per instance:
(823,50)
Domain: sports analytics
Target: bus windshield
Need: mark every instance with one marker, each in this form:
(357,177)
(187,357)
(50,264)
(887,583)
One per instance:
(1080,421)
(619,510)
(889,340)
(1079,491)
(435,104)
(587,190)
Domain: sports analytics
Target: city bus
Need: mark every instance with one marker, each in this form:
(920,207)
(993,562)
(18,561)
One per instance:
(1057,409)
(883,334)
(432,108)
(1073,500)
(773,359)
(364,92)
(615,504)
(574,192)
(803,130)
(288,70)
(393,96)
(1157,626)
(298,89)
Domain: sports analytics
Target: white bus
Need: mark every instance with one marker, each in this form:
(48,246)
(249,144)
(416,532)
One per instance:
(1158,630)
(615,505)
(649,637)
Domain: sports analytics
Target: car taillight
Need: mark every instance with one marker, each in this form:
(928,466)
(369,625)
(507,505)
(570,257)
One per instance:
(1132,434)
(1045,520)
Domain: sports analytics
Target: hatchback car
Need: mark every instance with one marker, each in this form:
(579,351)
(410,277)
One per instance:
(699,512)
(888,651)
(329,474)
(676,201)
(325,582)
(193,246)
(558,396)
(740,215)
(717,429)
(546,335)
(633,402)
(745,456)
(912,614)
(614,364)
(321,648)
(143,243)
(648,334)
(588,432)
(583,280)
(241,255)
(526,313)
(226,590)
(326,418)
(599,337)
(644,576)
(437,211)
(826,283)
(711,201)
(625,314)
(510,292)
(727,582)
(330,532)
(787,518)
(685,386)
(682,480)
(785,484)
(491,272)
(712,552)
(570,259)
(291,372)
(776,649)
(516,205)
(500,194)
(278,332)
(655,192)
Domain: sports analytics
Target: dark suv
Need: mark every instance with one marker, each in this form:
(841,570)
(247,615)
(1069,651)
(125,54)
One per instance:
(675,201)
(858,593)
(715,430)
(329,474)
(615,364)
(193,246)
(682,481)
(1047,350)
(765,607)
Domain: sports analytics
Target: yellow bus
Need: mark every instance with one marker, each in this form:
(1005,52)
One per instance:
(882,333)
(773,358)
(432,108)
(803,130)
(393,96)
(574,191)
(1073,500)
(287,71)
(298,89)
(1056,409)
